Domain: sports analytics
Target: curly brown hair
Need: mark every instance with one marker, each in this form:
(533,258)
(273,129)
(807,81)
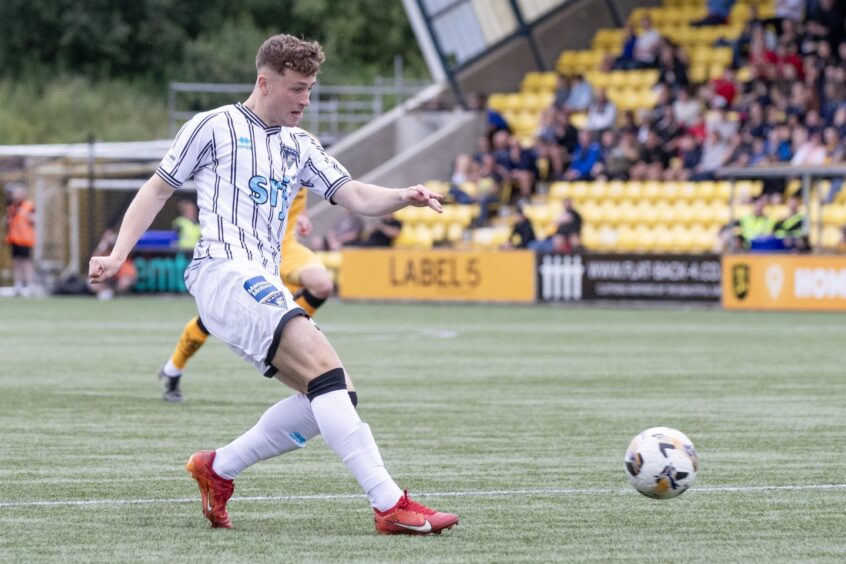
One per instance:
(281,52)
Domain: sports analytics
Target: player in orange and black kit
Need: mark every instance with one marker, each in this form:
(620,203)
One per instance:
(301,271)
(20,236)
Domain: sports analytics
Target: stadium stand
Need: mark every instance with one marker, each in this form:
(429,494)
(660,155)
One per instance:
(756,90)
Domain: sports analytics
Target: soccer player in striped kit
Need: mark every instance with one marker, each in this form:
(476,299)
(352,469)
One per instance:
(247,160)
(301,271)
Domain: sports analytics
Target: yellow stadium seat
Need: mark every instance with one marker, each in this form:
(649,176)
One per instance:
(628,212)
(832,237)
(650,190)
(598,190)
(610,213)
(498,101)
(590,212)
(438,232)
(684,213)
(633,190)
(455,232)
(644,239)
(663,239)
(616,190)
(705,191)
(626,240)
(560,190)
(683,241)
(579,191)
(670,191)
(665,212)
(647,213)
(834,214)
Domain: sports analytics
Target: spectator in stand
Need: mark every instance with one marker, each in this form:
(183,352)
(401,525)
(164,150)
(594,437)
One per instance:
(686,109)
(824,23)
(581,94)
(585,158)
(740,46)
(688,155)
(523,233)
(725,87)
(382,234)
(715,153)
(758,156)
(562,92)
(667,128)
(742,151)
(346,232)
(569,228)
(621,155)
(756,223)
(791,229)
(718,13)
(834,149)
(602,113)
(672,69)
(787,62)
(626,60)
(501,152)
(809,150)
(653,159)
(647,45)
(567,235)
(523,167)
(790,10)
(754,121)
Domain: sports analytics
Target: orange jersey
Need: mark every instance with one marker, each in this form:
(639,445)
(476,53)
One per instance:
(296,257)
(21,224)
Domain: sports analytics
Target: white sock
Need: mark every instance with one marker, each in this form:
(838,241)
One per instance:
(352,440)
(171,370)
(284,427)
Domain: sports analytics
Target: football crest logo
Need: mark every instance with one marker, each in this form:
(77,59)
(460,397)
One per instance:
(740,281)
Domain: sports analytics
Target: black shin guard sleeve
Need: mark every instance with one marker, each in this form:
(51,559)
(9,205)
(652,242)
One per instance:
(327,382)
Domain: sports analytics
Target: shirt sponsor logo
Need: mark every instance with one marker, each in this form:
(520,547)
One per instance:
(244,143)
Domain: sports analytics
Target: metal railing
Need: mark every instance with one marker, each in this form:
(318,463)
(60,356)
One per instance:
(334,110)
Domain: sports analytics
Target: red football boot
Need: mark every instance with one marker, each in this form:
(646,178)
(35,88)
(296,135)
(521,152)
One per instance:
(214,490)
(408,517)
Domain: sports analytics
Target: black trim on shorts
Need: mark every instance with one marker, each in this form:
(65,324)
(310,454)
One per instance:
(277,336)
(201,326)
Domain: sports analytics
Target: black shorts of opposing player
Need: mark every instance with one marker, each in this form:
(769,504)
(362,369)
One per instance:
(21,252)
(329,382)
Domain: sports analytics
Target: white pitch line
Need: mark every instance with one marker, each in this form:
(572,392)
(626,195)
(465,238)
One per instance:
(481,493)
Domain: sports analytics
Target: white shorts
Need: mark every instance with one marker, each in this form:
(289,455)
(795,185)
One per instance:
(243,305)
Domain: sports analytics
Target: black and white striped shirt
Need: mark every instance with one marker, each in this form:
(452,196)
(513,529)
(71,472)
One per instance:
(247,175)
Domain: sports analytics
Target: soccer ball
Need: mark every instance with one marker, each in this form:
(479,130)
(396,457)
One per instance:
(661,463)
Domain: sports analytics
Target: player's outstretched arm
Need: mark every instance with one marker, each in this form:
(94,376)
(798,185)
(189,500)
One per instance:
(147,203)
(372,200)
